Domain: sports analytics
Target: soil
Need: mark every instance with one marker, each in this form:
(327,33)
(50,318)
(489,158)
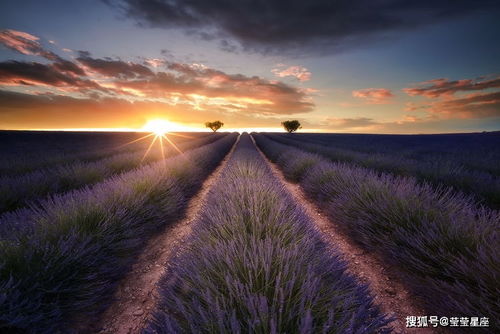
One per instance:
(136,295)
(384,281)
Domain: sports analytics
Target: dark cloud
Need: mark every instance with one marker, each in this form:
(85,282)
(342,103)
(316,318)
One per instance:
(439,87)
(228,46)
(9,99)
(68,67)
(114,68)
(33,73)
(272,26)
(84,54)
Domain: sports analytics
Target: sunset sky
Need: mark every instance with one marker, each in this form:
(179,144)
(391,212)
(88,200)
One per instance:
(374,66)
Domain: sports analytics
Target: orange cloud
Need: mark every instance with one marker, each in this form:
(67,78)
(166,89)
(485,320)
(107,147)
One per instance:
(194,86)
(444,87)
(373,95)
(473,106)
(271,97)
(24,43)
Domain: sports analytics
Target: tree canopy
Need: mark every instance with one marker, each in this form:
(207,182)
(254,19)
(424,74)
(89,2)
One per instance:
(291,126)
(214,125)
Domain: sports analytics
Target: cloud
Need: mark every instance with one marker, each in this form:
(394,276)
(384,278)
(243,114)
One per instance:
(68,67)
(444,87)
(228,46)
(153,79)
(277,26)
(446,104)
(373,95)
(113,68)
(256,94)
(473,106)
(350,123)
(58,74)
(155,62)
(25,43)
(298,72)
(28,44)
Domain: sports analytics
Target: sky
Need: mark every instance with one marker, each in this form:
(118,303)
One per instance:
(355,66)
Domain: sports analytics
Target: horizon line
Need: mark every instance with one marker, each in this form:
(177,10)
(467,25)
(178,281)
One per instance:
(240,130)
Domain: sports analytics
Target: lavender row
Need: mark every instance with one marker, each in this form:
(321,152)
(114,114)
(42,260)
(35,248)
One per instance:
(24,152)
(446,244)
(79,244)
(474,151)
(449,171)
(255,264)
(19,191)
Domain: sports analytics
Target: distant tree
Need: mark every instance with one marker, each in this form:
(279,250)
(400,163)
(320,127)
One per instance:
(214,125)
(291,126)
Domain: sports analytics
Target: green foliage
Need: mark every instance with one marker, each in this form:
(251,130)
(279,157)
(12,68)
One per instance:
(214,125)
(291,126)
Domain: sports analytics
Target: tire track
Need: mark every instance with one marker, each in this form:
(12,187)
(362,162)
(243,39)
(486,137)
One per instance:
(136,295)
(384,281)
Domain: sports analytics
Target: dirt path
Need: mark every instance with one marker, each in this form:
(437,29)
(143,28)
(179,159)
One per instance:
(136,297)
(385,285)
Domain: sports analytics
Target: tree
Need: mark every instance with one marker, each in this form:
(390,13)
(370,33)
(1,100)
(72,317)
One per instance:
(291,126)
(214,125)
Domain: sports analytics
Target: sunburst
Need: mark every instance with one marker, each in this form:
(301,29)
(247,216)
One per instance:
(159,130)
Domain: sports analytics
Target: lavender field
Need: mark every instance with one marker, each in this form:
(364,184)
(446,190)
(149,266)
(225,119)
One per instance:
(251,233)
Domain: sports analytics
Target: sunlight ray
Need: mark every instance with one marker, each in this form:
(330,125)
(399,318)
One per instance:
(173,144)
(136,140)
(149,148)
(180,135)
(162,153)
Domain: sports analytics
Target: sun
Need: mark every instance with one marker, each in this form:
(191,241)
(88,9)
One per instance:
(159,131)
(159,127)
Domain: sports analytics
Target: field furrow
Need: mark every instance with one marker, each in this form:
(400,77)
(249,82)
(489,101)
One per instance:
(480,180)
(255,263)
(385,283)
(24,152)
(136,295)
(19,191)
(444,243)
(65,264)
